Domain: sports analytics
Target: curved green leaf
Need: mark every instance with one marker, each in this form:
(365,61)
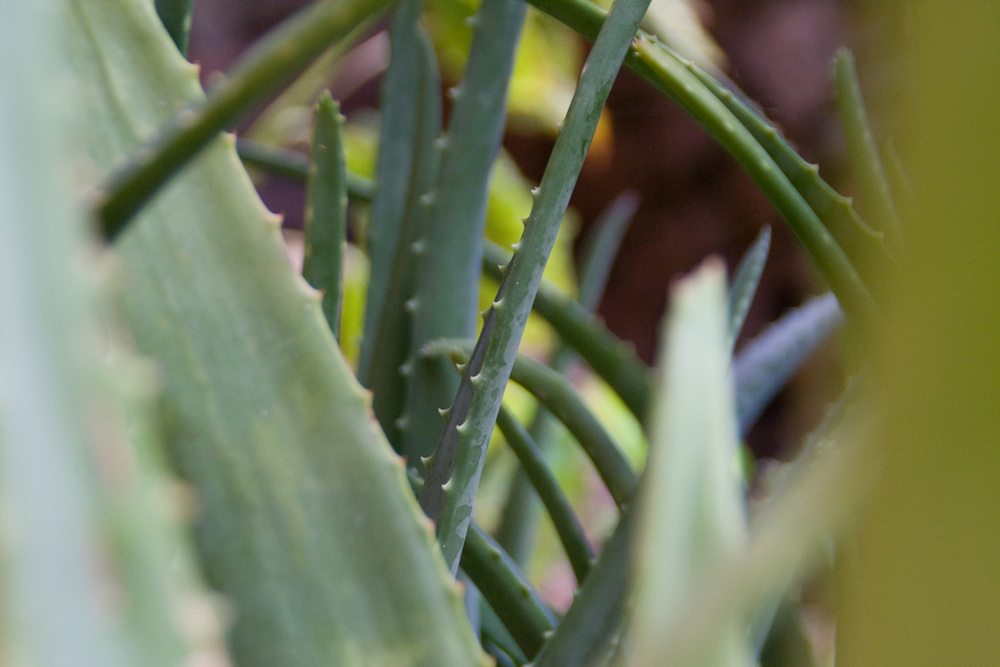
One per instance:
(544,483)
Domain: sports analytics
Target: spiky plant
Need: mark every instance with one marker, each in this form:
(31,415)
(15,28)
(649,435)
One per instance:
(182,336)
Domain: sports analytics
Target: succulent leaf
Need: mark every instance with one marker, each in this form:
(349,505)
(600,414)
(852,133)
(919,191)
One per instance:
(266,420)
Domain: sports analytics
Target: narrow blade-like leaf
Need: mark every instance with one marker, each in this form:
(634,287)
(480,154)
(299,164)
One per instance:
(745,282)
(692,515)
(766,363)
(326,211)
(388,370)
(176,18)
(400,107)
(445,303)
(594,620)
(874,187)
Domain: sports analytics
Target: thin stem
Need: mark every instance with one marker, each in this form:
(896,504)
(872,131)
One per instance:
(595,617)
(294,165)
(567,525)
(505,587)
(600,248)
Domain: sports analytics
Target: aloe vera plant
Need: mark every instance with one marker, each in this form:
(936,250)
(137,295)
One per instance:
(334,512)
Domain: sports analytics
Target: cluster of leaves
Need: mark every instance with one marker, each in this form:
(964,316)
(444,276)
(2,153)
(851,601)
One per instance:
(307,521)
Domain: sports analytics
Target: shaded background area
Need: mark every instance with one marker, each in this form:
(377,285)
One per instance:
(696,200)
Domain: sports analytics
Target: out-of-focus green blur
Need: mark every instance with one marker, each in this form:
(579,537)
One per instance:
(923,585)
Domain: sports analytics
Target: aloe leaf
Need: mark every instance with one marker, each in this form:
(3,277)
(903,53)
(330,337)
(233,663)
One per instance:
(502,659)
(504,323)
(494,631)
(272,64)
(326,211)
(400,104)
(674,77)
(176,18)
(601,245)
(305,520)
(863,245)
(503,585)
(388,370)
(745,282)
(814,502)
(873,185)
(692,515)
(544,483)
(767,362)
(154,557)
(445,302)
(594,619)
(613,360)
(560,397)
(507,590)
(50,551)
(295,166)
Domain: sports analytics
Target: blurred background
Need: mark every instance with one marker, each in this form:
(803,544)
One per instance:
(695,200)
